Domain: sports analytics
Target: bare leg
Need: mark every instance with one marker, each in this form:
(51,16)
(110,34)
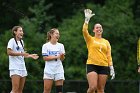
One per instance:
(15,83)
(48,85)
(92,78)
(21,85)
(101,83)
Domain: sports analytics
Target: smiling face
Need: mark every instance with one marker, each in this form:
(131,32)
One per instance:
(55,36)
(98,30)
(19,33)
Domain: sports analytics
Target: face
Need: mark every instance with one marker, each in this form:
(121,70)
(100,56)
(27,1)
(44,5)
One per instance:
(55,36)
(98,29)
(19,33)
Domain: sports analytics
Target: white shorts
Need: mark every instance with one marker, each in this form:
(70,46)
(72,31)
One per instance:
(55,77)
(21,73)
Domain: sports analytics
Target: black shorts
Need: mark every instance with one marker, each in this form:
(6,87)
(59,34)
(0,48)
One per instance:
(97,69)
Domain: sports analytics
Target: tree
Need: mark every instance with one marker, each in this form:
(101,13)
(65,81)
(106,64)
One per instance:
(118,29)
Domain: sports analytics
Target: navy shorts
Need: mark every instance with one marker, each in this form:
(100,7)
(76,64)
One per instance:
(97,69)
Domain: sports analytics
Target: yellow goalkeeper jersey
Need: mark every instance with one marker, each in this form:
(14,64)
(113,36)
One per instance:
(138,52)
(99,50)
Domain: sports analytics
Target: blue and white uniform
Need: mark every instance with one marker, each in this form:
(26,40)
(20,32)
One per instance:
(53,68)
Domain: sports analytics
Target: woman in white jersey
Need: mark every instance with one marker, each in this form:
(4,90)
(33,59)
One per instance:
(53,55)
(17,68)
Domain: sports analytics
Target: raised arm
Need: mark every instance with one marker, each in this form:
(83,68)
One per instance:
(88,15)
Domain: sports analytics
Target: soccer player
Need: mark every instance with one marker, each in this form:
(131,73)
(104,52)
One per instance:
(99,60)
(17,68)
(138,55)
(53,54)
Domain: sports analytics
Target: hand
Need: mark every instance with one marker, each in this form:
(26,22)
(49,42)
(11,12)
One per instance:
(138,69)
(88,15)
(34,56)
(62,57)
(112,72)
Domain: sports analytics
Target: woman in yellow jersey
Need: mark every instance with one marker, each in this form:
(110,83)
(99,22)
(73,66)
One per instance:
(138,55)
(99,61)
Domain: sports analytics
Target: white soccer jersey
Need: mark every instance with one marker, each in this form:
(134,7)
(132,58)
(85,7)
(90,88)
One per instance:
(53,66)
(16,62)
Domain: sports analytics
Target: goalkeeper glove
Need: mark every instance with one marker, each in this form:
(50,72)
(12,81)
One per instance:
(112,72)
(88,15)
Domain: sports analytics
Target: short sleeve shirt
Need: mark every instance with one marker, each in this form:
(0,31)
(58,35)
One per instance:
(16,62)
(53,66)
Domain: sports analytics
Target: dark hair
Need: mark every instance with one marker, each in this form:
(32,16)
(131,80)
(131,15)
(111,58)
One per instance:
(49,33)
(15,29)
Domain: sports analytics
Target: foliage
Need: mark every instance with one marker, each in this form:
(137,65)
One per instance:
(116,31)
(121,28)
(4,64)
(34,29)
(71,37)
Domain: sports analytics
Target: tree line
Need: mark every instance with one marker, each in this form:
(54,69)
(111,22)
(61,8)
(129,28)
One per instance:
(120,20)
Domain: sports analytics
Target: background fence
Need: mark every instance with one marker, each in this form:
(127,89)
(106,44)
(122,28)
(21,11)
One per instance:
(76,86)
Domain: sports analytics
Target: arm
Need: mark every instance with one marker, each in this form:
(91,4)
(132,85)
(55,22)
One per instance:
(109,57)
(26,55)
(88,15)
(10,49)
(138,55)
(49,58)
(62,57)
(13,53)
(85,32)
(33,56)
(46,55)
